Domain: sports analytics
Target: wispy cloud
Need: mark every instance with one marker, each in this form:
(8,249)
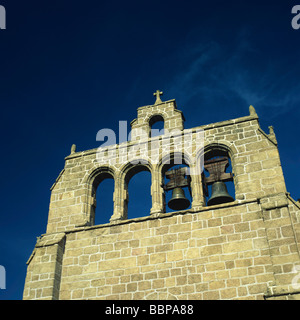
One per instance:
(215,71)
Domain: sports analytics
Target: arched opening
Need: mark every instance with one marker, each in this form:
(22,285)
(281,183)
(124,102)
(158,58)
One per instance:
(138,184)
(156,124)
(104,202)
(218,180)
(176,163)
(102,195)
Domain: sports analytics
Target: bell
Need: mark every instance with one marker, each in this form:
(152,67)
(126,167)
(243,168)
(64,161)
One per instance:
(219,194)
(178,200)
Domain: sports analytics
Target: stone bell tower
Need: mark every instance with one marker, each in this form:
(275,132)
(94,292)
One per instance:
(242,245)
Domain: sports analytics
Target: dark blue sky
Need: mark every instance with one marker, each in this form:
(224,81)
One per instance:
(71,68)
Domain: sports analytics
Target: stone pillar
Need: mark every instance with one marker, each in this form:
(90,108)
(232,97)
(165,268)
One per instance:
(157,192)
(196,188)
(44,268)
(281,242)
(120,200)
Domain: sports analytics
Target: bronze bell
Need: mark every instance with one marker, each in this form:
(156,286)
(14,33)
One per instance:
(178,200)
(219,194)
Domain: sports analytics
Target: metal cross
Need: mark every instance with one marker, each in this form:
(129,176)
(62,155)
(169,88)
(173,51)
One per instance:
(158,93)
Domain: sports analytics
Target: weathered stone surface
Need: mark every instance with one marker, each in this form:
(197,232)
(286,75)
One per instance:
(241,250)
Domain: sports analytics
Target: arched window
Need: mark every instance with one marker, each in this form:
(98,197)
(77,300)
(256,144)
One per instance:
(104,202)
(138,184)
(217,176)
(156,124)
(102,195)
(176,172)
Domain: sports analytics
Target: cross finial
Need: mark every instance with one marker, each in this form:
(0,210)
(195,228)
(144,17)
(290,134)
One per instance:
(158,93)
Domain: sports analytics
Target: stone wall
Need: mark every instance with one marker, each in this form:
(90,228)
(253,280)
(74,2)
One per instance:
(246,249)
(225,252)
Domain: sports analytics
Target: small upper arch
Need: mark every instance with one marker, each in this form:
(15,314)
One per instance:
(153,118)
(156,125)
